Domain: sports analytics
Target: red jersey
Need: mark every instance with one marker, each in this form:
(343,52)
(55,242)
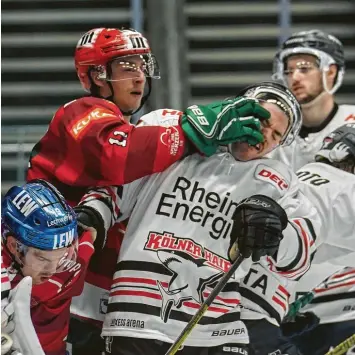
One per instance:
(88,143)
(50,301)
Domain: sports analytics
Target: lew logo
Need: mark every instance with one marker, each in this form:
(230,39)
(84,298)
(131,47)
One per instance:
(24,203)
(62,240)
(265,173)
(96,114)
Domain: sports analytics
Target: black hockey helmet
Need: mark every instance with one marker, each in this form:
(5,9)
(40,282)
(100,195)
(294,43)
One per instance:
(279,95)
(339,146)
(325,47)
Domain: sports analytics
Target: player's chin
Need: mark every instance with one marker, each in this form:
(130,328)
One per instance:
(135,101)
(304,98)
(242,151)
(40,279)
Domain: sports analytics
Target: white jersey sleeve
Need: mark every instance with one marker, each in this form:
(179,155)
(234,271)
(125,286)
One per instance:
(332,192)
(267,287)
(334,290)
(303,150)
(5,282)
(163,117)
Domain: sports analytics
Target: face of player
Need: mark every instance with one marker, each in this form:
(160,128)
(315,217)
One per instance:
(273,131)
(303,76)
(128,81)
(41,265)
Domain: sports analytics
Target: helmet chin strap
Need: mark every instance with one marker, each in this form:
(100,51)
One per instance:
(315,101)
(324,92)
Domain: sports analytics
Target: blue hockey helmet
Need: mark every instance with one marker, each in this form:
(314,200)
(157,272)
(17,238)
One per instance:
(37,215)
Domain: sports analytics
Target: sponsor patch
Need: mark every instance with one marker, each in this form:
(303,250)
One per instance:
(81,124)
(171,138)
(270,175)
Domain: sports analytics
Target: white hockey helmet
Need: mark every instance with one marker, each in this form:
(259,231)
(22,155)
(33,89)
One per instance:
(326,48)
(279,95)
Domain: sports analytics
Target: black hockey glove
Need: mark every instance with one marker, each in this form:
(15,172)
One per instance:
(300,323)
(90,220)
(258,223)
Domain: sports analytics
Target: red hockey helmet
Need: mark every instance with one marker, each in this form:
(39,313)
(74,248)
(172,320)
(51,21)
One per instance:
(99,46)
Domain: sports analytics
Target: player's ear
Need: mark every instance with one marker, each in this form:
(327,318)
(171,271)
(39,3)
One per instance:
(331,75)
(11,244)
(94,76)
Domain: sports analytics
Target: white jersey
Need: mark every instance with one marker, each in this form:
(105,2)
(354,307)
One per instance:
(176,243)
(303,150)
(332,191)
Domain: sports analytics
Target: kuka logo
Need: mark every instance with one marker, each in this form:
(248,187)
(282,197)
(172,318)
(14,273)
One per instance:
(95,114)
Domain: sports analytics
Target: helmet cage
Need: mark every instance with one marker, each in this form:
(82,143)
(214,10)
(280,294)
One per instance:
(150,68)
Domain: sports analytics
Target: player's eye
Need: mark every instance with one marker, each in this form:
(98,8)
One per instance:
(304,70)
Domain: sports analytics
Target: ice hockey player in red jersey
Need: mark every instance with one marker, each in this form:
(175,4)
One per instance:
(90,141)
(40,241)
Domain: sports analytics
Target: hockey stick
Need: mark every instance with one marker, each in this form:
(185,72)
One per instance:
(199,314)
(343,347)
(307,298)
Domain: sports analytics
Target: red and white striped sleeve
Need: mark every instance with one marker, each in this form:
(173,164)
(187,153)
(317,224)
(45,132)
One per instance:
(298,245)
(5,281)
(114,203)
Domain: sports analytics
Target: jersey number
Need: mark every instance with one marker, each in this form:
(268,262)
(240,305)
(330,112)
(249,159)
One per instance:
(121,138)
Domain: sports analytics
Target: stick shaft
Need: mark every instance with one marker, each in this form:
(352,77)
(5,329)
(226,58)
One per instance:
(199,314)
(343,347)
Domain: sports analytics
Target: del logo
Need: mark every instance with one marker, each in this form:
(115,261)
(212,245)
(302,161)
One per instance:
(192,269)
(62,240)
(265,173)
(94,114)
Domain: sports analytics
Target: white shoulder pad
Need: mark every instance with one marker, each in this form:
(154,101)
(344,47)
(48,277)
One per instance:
(163,117)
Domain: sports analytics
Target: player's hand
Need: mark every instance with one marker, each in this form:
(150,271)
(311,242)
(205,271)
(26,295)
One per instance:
(224,122)
(90,220)
(258,222)
(300,323)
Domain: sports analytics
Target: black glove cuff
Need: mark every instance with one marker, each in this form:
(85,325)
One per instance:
(88,217)
(265,202)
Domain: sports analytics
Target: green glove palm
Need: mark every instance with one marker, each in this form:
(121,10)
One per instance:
(224,122)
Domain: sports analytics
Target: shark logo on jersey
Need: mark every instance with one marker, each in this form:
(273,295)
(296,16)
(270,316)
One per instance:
(193,268)
(188,282)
